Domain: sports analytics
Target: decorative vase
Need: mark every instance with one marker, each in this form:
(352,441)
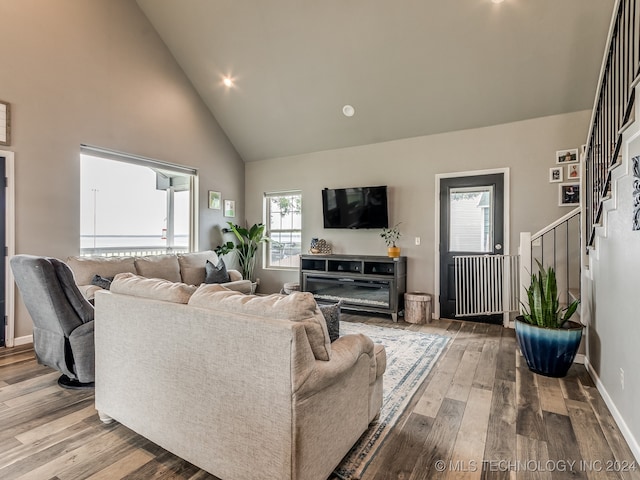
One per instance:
(393,252)
(548,351)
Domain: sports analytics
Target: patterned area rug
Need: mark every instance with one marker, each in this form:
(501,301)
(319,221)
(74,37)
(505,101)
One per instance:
(410,358)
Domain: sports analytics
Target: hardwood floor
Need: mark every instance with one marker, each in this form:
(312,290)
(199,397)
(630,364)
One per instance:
(481,414)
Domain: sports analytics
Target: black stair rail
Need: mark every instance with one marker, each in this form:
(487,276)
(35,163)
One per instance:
(558,246)
(612,110)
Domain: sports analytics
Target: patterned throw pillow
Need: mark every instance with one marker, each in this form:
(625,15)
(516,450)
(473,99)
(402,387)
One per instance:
(331,315)
(216,273)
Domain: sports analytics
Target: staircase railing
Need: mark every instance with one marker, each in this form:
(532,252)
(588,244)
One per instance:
(612,109)
(556,245)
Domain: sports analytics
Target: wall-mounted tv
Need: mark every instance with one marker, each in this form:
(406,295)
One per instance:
(359,207)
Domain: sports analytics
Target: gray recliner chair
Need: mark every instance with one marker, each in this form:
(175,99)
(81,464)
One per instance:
(62,318)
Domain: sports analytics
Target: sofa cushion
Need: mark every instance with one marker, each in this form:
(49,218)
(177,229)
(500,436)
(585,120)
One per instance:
(159,266)
(216,273)
(84,268)
(192,266)
(154,288)
(297,307)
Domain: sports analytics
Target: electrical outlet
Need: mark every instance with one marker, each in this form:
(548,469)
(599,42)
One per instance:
(622,378)
(417,240)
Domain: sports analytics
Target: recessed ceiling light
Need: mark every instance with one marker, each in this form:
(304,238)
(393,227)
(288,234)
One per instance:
(348,111)
(227,81)
(497,1)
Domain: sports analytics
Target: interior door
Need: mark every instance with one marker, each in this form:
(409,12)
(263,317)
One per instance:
(471,223)
(3,243)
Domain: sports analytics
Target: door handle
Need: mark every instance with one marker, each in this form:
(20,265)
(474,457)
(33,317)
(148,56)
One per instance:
(498,246)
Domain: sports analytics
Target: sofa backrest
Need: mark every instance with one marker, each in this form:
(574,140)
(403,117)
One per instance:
(192,266)
(159,266)
(297,307)
(188,268)
(84,268)
(233,373)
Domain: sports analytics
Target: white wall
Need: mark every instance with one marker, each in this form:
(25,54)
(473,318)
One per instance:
(409,167)
(95,72)
(610,296)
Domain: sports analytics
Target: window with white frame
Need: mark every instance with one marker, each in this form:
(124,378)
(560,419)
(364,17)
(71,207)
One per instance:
(283,219)
(131,205)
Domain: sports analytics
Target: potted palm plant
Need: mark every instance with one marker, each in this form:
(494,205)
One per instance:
(547,338)
(246,247)
(391,236)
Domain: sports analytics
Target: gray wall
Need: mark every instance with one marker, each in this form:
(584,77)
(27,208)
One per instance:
(95,72)
(611,302)
(409,167)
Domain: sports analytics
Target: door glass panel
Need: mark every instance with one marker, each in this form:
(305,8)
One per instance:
(471,219)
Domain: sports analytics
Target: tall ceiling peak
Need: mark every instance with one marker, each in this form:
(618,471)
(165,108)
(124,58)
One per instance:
(412,67)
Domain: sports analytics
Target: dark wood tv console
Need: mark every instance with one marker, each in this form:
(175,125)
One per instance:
(365,283)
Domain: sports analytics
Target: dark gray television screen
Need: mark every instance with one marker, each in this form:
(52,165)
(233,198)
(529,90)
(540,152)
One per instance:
(358,207)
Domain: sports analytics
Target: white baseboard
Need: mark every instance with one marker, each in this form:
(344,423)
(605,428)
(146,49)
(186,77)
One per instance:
(626,433)
(22,340)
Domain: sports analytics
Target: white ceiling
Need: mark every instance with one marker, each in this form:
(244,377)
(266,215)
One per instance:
(409,67)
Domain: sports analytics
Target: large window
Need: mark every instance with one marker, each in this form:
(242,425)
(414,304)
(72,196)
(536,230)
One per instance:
(134,206)
(283,211)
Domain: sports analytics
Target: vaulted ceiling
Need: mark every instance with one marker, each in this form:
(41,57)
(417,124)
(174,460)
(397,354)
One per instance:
(408,67)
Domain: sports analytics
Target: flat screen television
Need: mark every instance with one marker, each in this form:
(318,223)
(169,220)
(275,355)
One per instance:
(359,207)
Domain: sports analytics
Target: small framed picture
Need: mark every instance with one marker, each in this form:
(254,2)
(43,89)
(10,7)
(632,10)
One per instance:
(555,174)
(5,124)
(229,208)
(567,156)
(569,194)
(215,200)
(573,171)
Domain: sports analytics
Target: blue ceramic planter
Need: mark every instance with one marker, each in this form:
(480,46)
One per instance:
(548,351)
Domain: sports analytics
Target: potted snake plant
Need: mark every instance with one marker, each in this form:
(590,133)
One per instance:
(547,338)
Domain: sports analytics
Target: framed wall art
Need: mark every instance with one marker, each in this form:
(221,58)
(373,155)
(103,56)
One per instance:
(569,194)
(215,200)
(573,171)
(555,174)
(567,156)
(5,123)
(229,208)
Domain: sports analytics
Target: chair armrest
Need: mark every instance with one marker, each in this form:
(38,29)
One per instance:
(234,275)
(345,353)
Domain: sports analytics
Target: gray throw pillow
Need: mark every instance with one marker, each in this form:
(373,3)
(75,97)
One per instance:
(102,282)
(331,315)
(216,273)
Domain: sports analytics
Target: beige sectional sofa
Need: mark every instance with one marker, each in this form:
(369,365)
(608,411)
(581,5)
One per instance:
(245,387)
(188,268)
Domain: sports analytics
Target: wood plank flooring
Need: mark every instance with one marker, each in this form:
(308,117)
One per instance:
(481,414)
